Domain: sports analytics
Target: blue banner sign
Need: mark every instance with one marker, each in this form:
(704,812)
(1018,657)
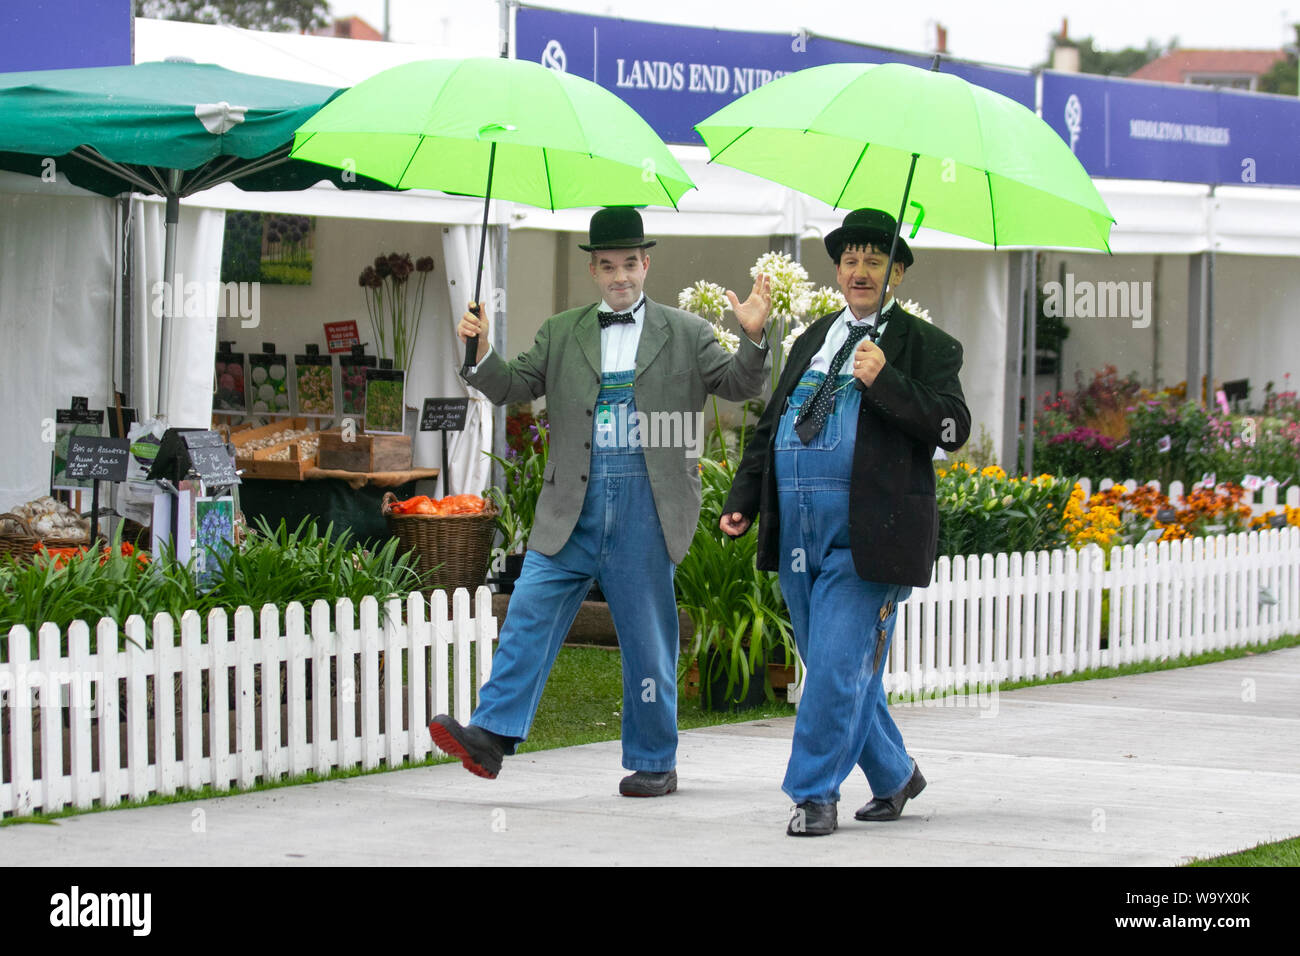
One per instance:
(1129,129)
(675,76)
(63,34)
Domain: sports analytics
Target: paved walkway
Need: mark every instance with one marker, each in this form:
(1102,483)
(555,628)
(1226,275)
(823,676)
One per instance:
(1144,770)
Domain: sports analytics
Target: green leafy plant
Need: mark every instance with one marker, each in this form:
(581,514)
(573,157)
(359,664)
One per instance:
(273,566)
(524,473)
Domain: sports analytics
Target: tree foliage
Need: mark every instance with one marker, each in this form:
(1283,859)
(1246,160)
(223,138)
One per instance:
(275,15)
(1281,77)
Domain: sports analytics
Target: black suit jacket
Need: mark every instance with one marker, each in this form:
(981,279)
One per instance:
(914,405)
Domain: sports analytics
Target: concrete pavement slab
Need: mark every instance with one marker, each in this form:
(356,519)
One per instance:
(1150,769)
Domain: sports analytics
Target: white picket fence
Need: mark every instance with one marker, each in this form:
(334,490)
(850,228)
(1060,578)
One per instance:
(988,619)
(390,678)
(1266,500)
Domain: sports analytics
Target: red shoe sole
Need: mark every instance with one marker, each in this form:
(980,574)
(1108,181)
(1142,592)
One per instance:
(450,745)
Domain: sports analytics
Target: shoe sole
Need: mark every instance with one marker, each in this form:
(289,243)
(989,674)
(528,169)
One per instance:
(448,744)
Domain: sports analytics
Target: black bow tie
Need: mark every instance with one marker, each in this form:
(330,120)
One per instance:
(607,319)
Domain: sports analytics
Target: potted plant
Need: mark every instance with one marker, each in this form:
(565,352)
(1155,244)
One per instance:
(740,619)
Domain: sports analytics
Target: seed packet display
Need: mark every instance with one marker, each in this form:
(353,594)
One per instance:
(230,394)
(385,400)
(269,372)
(315,381)
(352,375)
(214,536)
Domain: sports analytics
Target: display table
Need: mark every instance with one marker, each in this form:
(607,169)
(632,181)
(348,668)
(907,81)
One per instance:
(348,499)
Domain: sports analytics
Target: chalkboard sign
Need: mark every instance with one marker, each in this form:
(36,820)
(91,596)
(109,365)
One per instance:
(98,459)
(210,457)
(444,414)
(190,450)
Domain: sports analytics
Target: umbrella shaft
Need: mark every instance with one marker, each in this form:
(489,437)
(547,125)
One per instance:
(471,344)
(893,245)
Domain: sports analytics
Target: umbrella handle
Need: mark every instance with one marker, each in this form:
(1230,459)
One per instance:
(471,344)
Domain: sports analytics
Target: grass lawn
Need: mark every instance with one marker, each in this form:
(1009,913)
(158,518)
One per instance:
(1282,853)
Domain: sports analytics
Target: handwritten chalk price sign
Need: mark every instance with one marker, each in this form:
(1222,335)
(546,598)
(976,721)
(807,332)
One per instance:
(98,459)
(444,415)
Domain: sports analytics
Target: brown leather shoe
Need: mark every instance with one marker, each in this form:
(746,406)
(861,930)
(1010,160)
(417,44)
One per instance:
(881,809)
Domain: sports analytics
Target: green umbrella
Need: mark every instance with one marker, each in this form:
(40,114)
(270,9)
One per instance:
(495,127)
(965,160)
(170,129)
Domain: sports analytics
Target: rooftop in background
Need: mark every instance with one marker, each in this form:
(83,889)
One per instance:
(350,28)
(1233,69)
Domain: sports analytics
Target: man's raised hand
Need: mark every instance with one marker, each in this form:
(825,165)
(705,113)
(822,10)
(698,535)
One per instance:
(753,312)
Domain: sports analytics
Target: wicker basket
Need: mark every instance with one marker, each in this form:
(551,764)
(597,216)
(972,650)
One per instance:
(16,538)
(452,551)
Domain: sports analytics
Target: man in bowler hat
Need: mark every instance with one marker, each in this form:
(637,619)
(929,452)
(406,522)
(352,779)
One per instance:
(840,473)
(613,507)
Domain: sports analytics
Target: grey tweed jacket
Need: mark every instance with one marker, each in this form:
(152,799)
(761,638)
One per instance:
(678,365)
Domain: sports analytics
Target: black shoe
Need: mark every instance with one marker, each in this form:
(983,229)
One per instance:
(479,750)
(891,808)
(646,784)
(813,819)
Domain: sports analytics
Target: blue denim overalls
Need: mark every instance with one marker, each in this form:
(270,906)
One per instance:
(842,624)
(619,542)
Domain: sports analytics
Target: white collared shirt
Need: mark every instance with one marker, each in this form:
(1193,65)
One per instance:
(839,333)
(618,342)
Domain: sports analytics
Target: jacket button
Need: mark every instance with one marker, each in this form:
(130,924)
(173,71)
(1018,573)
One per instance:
(586,444)
(589,413)
(584,477)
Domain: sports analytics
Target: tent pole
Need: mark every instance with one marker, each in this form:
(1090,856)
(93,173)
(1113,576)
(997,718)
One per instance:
(172,222)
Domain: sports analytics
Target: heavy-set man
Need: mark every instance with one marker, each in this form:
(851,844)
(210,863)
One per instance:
(611,508)
(840,473)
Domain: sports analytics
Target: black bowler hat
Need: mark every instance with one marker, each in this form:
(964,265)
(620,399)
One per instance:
(617,227)
(868,226)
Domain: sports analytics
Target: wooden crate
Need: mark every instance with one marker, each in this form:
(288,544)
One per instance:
(364,453)
(294,469)
(243,434)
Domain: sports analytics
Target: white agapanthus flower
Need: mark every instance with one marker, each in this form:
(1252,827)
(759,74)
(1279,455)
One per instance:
(727,339)
(706,299)
(824,301)
(796,330)
(916,310)
(791,287)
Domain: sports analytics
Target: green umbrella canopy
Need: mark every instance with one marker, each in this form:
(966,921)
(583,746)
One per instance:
(561,141)
(121,128)
(845,133)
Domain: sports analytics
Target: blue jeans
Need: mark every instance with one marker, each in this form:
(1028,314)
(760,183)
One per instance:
(619,542)
(842,624)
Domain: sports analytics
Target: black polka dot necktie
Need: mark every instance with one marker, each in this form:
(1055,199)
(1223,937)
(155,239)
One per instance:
(815,411)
